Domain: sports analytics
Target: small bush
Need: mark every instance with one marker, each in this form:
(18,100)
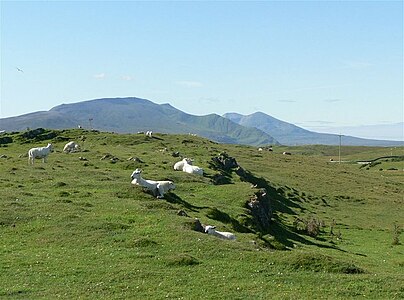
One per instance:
(182,259)
(396,234)
(312,226)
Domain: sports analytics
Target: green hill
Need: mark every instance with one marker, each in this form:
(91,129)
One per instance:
(75,227)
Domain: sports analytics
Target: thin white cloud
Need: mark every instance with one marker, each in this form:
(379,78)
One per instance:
(190,84)
(356,65)
(332,100)
(99,76)
(287,101)
(322,122)
(127,78)
(209,100)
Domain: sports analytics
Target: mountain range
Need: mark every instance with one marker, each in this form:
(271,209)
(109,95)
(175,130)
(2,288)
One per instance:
(131,115)
(289,134)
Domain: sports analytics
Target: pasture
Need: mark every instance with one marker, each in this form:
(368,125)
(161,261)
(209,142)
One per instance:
(75,227)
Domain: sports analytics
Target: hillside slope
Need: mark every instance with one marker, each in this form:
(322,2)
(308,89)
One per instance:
(75,227)
(289,134)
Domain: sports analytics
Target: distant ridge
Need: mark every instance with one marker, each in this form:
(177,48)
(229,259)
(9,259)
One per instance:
(289,134)
(130,115)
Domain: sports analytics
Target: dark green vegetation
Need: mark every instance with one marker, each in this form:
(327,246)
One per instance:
(76,228)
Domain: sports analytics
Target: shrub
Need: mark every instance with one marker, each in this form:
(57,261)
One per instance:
(182,259)
(312,226)
(396,234)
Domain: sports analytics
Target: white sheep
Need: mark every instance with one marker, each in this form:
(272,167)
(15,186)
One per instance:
(39,152)
(158,188)
(71,147)
(189,168)
(149,133)
(178,166)
(220,234)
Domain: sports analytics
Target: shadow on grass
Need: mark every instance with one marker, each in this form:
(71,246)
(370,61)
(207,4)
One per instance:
(173,198)
(278,201)
(286,236)
(283,233)
(218,215)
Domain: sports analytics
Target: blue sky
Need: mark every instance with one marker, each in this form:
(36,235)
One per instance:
(319,64)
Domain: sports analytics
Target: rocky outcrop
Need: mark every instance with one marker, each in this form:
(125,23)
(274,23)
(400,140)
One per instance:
(260,208)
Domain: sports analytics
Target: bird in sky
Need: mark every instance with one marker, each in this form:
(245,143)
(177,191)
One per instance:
(19,70)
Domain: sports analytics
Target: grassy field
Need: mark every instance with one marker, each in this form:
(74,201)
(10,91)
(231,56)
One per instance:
(75,227)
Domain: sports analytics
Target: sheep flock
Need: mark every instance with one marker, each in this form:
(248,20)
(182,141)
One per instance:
(158,188)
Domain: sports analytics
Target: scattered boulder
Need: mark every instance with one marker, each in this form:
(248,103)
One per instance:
(224,162)
(182,213)
(39,134)
(135,159)
(113,159)
(175,154)
(195,224)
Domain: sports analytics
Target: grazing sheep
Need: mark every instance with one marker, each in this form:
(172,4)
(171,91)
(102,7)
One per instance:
(39,152)
(149,133)
(158,188)
(180,165)
(220,234)
(287,153)
(188,168)
(71,147)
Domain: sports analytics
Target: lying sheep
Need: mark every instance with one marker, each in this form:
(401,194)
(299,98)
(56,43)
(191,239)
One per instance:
(220,234)
(39,152)
(189,168)
(71,147)
(158,188)
(180,165)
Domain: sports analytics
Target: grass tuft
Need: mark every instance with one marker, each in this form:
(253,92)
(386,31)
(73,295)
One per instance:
(182,259)
(322,263)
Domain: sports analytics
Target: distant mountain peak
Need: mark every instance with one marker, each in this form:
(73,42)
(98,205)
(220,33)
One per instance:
(130,114)
(290,134)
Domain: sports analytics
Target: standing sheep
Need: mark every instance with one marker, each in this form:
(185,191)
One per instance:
(39,152)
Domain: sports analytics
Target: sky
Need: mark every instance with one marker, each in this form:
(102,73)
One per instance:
(322,65)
